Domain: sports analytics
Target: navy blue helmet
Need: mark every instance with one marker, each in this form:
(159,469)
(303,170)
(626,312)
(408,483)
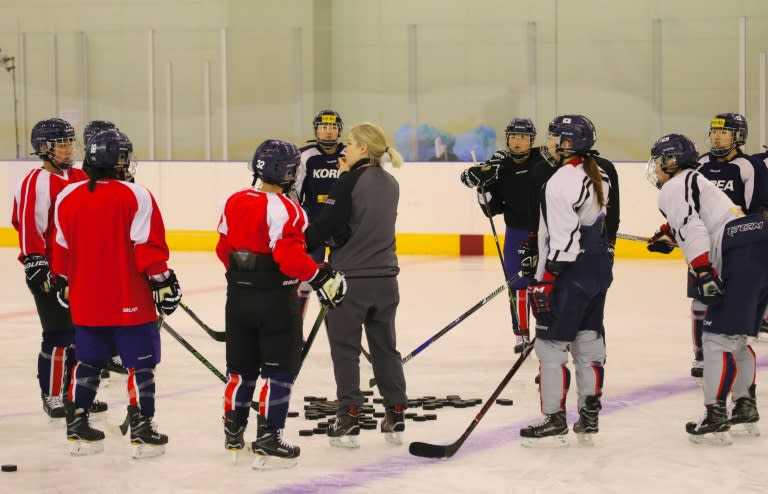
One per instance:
(107,149)
(672,153)
(94,127)
(51,132)
(275,162)
(327,117)
(576,128)
(675,151)
(736,123)
(521,126)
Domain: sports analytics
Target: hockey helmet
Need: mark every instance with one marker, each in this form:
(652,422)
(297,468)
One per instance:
(275,162)
(327,117)
(520,126)
(108,149)
(736,123)
(578,129)
(94,127)
(671,153)
(51,132)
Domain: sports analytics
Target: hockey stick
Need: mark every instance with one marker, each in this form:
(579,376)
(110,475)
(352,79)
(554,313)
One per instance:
(455,322)
(216,335)
(194,352)
(313,332)
(427,450)
(638,238)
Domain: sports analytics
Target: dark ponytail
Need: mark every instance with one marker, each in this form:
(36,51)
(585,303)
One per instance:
(592,170)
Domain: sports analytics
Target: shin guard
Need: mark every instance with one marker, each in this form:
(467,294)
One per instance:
(275,396)
(84,384)
(238,394)
(141,390)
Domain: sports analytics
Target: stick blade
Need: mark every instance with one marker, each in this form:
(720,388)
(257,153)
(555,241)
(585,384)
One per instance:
(426,450)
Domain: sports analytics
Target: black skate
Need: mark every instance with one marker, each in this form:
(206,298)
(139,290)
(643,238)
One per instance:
(116,365)
(53,406)
(345,429)
(745,412)
(393,424)
(233,434)
(271,450)
(551,431)
(98,407)
(763,327)
(587,425)
(522,341)
(84,439)
(712,428)
(146,441)
(697,369)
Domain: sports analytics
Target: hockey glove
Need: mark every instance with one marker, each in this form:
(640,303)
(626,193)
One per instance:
(38,273)
(330,285)
(485,175)
(529,257)
(709,286)
(663,241)
(166,292)
(61,288)
(540,298)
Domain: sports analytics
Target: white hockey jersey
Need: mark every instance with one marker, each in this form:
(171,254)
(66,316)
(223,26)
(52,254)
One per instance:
(697,212)
(569,203)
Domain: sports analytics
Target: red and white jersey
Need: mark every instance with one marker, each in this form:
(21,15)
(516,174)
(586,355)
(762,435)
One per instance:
(264,223)
(697,211)
(108,242)
(570,202)
(33,205)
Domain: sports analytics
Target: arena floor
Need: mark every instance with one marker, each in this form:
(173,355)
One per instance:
(641,446)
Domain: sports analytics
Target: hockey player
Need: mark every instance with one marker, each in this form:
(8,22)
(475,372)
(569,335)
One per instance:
(504,186)
(261,243)
(318,170)
(572,279)
(91,129)
(360,215)
(53,141)
(110,255)
(743,179)
(719,243)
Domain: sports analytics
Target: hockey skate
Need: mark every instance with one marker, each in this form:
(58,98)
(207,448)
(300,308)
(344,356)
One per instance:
(522,341)
(145,439)
(53,406)
(271,450)
(233,435)
(713,428)
(550,432)
(344,432)
(587,425)
(83,439)
(393,425)
(744,414)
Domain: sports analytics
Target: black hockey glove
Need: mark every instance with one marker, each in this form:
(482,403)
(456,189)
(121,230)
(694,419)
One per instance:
(61,289)
(330,285)
(38,273)
(167,293)
(480,175)
(529,257)
(709,286)
(663,241)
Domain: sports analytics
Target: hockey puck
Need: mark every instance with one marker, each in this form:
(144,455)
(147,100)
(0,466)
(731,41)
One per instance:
(420,418)
(368,425)
(504,402)
(319,430)
(293,414)
(9,468)
(378,414)
(367,392)
(431,416)
(306,432)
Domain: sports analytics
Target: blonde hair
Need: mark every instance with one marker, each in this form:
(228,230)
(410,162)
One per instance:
(378,150)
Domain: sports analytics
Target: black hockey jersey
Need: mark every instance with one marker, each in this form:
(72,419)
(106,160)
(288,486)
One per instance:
(316,173)
(743,179)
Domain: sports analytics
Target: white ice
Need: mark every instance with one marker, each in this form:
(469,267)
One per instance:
(641,446)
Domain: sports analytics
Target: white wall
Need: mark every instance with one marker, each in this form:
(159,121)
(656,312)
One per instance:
(433,200)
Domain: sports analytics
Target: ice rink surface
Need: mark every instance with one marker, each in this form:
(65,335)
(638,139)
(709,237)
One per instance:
(641,447)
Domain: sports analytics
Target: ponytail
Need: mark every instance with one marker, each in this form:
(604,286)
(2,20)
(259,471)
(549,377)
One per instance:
(592,170)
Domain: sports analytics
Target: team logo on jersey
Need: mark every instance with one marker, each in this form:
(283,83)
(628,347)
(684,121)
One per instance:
(723,184)
(745,227)
(325,173)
